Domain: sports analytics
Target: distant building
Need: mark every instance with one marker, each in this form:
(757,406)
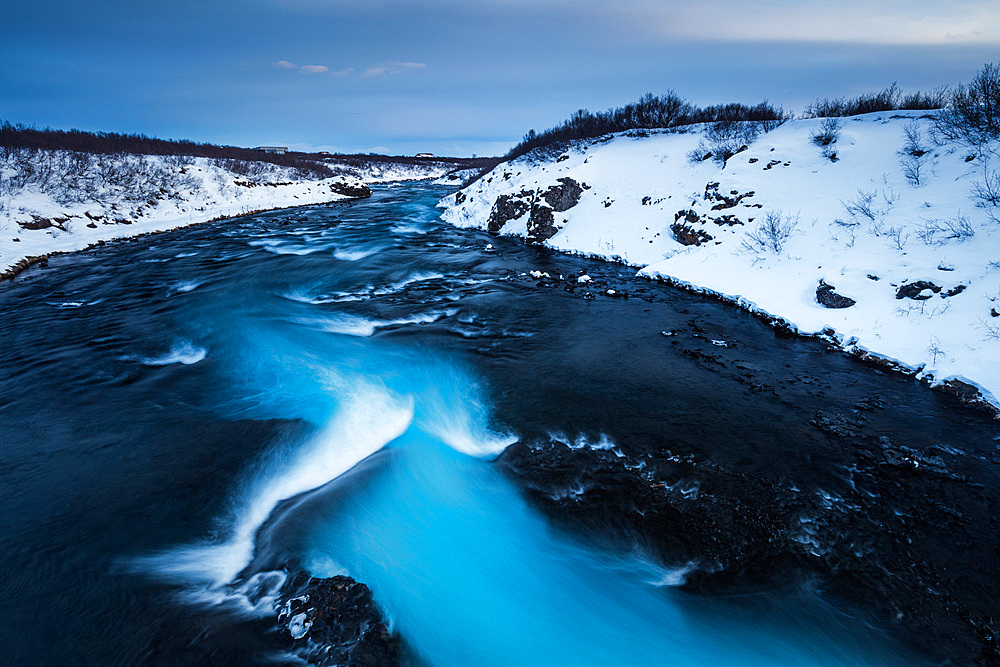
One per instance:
(424,155)
(323,153)
(276,150)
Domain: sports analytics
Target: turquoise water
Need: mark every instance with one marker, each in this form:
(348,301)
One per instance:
(339,381)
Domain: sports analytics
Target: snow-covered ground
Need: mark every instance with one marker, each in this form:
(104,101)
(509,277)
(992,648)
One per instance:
(389,172)
(54,201)
(872,224)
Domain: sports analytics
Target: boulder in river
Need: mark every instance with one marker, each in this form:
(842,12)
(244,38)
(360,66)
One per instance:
(334,621)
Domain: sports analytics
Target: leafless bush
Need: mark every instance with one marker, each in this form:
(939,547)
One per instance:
(913,153)
(991,329)
(939,232)
(986,191)
(887,99)
(653,112)
(898,236)
(862,205)
(771,233)
(972,114)
(826,136)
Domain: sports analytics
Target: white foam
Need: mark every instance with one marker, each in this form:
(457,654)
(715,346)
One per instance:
(183,352)
(369,418)
(184,286)
(407,229)
(415,278)
(353,325)
(354,255)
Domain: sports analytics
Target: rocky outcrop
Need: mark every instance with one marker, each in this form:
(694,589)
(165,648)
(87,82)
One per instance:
(334,622)
(564,196)
(540,207)
(828,297)
(541,224)
(507,208)
(351,189)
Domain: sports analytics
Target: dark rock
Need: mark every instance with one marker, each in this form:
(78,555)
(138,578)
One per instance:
(688,235)
(890,542)
(724,201)
(541,224)
(507,208)
(913,290)
(334,622)
(690,217)
(958,289)
(459,197)
(360,190)
(828,298)
(564,196)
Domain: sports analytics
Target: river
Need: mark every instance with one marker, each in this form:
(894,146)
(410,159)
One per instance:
(162,400)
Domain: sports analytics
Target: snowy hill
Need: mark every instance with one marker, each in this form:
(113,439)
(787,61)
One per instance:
(882,239)
(61,201)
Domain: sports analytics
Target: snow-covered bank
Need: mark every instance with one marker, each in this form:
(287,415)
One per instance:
(375,171)
(57,201)
(895,236)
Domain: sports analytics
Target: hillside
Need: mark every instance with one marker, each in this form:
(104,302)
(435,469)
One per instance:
(61,201)
(881,240)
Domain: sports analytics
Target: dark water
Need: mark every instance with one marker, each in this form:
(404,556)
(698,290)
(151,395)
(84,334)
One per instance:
(160,398)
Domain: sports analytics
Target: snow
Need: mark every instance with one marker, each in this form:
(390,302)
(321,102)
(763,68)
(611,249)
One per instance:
(197,190)
(857,224)
(375,171)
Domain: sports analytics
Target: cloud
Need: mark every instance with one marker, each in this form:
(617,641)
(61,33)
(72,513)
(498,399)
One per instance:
(913,22)
(392,68)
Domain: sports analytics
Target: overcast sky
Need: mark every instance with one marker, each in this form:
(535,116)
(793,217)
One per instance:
(454,76)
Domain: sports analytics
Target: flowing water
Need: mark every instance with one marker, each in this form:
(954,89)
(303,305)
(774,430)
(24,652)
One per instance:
(181,414)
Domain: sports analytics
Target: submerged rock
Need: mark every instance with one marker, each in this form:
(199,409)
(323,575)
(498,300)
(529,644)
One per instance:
(351,189)
(891,542)
(334,621)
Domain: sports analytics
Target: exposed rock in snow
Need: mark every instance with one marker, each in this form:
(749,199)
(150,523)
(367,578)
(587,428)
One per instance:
(779,218)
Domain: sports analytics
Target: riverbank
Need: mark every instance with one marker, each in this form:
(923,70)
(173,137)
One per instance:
(52,203)
(877,242)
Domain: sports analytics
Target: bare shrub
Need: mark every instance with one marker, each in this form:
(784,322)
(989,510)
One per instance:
(826,136)
(972,114)
(913,153)
(771,233)
(898,237)
(986,191)
(656,112)
(862,204)
(939,232)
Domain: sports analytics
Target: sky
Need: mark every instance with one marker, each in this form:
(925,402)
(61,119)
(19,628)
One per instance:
(454,77)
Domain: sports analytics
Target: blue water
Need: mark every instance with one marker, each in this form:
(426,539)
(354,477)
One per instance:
(368,363)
